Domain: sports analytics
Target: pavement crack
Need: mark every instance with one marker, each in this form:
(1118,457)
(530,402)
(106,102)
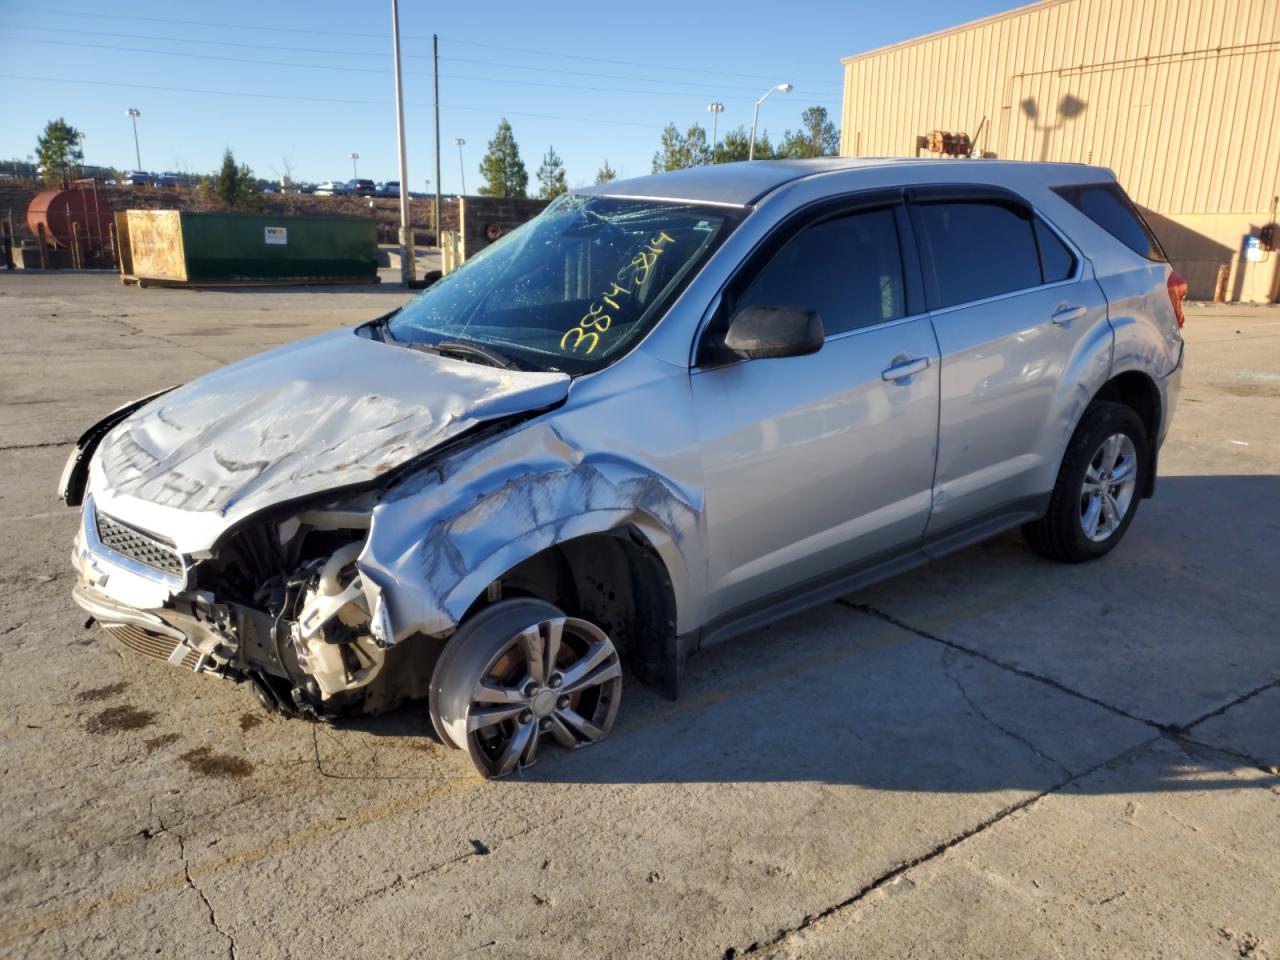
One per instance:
(186,873)
(934,852)
(37,446)
(1217,712)
(1004,665)
(1237,755)
(948,661)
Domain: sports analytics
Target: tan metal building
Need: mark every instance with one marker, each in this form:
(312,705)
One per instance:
(1181,98)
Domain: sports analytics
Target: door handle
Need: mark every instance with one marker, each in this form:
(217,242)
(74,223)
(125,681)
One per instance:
(1066,313)
(905,367)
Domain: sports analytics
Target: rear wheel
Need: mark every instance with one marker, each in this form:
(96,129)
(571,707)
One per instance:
(1096,495)
(519,674)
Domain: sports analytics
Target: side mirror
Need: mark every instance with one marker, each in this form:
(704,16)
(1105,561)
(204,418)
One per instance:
(760,332)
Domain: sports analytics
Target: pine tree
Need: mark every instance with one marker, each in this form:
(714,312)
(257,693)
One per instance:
(817,136)
(502,168)
(552,180)
(681,150)
(736,145)
(606,173)
(234,185)
(58,150)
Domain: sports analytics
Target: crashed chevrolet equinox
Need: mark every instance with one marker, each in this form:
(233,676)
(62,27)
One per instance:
(664,412)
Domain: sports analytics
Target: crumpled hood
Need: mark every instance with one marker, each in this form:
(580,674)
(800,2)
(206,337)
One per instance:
(326,412)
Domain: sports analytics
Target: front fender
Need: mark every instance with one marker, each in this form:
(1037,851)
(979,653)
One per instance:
(438,541)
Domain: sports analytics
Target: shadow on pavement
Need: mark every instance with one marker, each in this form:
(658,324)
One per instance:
(840,696)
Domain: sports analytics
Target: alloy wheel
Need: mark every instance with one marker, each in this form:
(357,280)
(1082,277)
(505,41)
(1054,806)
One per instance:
(1109,484)
(560,678)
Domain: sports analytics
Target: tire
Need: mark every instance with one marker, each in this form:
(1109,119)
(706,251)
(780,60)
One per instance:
(518,673)
(1092,504)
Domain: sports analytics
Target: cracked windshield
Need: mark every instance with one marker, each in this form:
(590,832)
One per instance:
(573,290)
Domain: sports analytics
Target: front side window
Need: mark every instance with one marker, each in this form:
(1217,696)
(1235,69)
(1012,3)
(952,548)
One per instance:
(980,249)
(572,290)
(848,269)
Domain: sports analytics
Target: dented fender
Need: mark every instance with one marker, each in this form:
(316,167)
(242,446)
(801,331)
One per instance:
(440,538)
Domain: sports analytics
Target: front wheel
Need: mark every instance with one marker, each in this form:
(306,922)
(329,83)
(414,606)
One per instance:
(520,672)
(1098,486)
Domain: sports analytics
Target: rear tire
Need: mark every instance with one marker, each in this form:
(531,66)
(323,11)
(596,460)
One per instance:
(1099,485)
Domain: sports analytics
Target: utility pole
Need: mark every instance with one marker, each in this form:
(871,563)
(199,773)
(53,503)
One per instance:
(435,81)
(354,157)
(408,271)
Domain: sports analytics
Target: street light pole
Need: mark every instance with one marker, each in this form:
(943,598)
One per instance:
(354,173)
(782,87)
(462,169)
(715,109)
(408,271)
(133,113)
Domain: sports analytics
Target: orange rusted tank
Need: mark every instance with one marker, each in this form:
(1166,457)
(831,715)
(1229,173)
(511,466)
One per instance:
(59,209)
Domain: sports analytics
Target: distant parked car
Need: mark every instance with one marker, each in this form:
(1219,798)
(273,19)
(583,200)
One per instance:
(388,188)
(137,178)
(362,188)
(169,180)
(330,188)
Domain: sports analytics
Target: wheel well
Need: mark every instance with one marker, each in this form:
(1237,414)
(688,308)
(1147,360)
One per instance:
(618,582)
(1138,392)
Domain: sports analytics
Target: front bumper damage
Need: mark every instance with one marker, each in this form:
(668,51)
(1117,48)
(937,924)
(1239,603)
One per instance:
(306,642)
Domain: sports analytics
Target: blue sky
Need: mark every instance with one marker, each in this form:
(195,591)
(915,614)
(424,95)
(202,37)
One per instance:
(596,80)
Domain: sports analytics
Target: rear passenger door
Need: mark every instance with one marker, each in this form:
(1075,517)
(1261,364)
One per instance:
(1017,313)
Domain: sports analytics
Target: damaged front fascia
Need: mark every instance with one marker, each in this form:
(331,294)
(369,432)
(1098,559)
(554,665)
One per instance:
(438,540)
(294,423)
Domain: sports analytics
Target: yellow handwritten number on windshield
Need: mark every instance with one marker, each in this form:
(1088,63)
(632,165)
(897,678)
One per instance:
(595,321)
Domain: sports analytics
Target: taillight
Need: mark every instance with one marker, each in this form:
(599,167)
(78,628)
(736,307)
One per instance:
(1177,293)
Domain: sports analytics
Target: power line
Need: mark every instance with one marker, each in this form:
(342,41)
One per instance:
(328,51)
(629,63)
(377,70)
(382,36)
(329,100)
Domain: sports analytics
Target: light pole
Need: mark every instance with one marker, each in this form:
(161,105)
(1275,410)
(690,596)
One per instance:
(784,88)
(462,169)
(134,113)
(715,109)
(354,174)
(408,270)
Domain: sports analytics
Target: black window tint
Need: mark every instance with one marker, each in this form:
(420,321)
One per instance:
(1056,261)
(848,269)
(979,249)
(1110,208)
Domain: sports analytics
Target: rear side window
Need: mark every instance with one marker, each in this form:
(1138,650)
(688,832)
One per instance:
(980,249)
(1110,208)
(848,269)
(1056,261)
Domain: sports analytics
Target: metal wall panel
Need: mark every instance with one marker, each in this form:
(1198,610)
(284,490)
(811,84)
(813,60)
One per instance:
(1180,97)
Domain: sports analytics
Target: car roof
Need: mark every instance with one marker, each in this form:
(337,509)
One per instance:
(743,183)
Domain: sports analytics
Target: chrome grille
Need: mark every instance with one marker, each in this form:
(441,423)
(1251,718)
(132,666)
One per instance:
(139,546)
(149,644)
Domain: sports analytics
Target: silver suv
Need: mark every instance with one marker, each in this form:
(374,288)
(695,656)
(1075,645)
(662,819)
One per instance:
(666,411)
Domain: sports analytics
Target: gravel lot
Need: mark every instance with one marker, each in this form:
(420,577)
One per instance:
(994,755)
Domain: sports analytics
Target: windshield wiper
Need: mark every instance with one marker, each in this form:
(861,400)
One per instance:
(473,351)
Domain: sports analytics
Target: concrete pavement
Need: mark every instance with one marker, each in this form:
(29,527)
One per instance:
(995,755)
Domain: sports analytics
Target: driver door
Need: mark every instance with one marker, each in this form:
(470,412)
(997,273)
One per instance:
(816,463)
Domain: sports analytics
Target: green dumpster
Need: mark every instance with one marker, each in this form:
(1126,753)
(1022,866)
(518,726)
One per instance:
(173,246)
